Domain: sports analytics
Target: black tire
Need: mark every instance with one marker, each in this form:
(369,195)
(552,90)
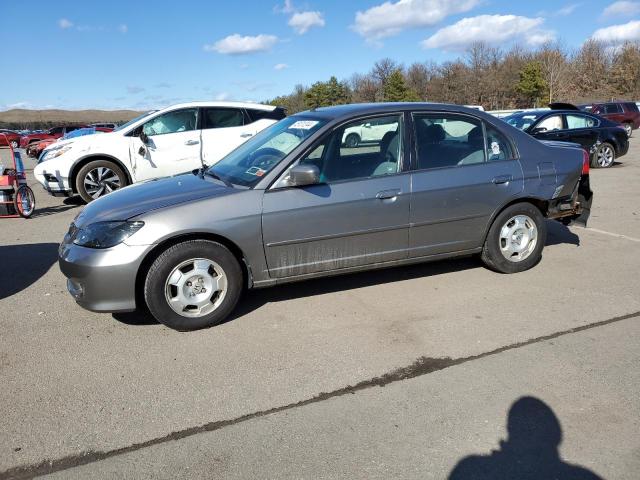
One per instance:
(628,128)
(352,140)
(491,252)
(156,283)
(108,185)
(24,201)
(600,151)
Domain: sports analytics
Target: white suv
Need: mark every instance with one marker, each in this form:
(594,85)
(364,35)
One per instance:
(174,140)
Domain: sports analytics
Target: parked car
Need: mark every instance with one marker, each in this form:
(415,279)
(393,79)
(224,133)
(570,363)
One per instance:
(368,132)
(625,113)
(9,136)
(54,133)
(603,139)
(176,139)
(451,181)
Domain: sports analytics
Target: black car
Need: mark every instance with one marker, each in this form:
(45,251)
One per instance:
(603,139)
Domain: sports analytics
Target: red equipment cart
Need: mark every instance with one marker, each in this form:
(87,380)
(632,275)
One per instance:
(16,197)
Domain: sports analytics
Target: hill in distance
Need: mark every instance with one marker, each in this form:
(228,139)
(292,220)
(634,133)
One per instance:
(24,116)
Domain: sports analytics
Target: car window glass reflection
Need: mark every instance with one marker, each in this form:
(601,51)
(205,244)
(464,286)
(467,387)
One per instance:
(172,122)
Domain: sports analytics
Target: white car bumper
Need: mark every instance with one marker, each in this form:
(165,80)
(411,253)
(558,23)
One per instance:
(52,180)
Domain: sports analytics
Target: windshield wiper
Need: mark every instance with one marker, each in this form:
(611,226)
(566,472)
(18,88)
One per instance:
(218,177)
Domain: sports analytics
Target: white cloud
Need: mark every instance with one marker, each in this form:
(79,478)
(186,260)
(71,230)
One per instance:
(240,45)
(123,28)
(135,89)
(567,10)
(280,66)
(65,23)
(391,18)
(622,8)
(492,29)
(627,32)
(222,96)
(301,22)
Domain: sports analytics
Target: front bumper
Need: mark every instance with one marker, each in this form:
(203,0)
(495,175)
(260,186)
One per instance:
(53,183)
(102,280)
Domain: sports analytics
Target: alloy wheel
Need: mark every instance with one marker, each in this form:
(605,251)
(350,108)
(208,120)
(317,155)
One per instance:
(605,156)
(518,238)
(100,181)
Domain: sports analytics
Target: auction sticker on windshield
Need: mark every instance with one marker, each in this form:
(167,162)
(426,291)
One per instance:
(304,124)
(257,171)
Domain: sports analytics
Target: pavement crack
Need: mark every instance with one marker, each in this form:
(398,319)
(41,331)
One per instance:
(422,366)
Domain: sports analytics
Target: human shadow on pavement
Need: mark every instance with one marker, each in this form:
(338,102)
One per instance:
(23,265)
(530,451)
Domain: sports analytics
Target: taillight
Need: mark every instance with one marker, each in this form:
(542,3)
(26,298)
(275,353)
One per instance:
(585,162)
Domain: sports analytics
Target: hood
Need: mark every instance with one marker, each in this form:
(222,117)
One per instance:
(151,195)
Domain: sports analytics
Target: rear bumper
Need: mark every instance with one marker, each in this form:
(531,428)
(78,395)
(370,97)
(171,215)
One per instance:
(102,280)
(575,209)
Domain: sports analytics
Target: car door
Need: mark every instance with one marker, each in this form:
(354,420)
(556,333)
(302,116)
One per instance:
(463,172)
(358,214)
(173,145)
(223,129)
(581,129)
(548,128)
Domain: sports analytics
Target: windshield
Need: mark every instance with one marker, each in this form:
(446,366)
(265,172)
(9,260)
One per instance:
(131,122)
(255,158)
(523,120)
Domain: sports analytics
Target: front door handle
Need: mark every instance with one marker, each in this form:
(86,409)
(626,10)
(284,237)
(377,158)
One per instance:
(246,135)
(191,142)
(502,179)
(387,194)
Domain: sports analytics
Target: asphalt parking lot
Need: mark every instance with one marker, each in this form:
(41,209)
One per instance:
(402,373)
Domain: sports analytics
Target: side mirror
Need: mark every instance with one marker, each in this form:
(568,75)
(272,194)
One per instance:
(367,125)
(144,138)
(302,175)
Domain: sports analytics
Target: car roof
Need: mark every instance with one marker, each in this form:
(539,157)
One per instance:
(355,109)
(249,105)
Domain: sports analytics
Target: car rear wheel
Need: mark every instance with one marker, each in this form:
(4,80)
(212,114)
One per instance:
(99,178)
(604,156)
(352,140)
(628,128)
(515,240)
(192,285)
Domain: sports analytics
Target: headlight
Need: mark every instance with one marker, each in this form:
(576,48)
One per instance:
(55,152)
(106,234)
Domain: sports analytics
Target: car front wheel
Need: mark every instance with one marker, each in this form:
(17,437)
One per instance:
(99,178)
(515,239)
(192,285)
(352,140)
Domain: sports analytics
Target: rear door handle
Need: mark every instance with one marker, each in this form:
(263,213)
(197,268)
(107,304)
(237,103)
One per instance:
(246,135)
(502,179)
(191,142)
(387,194)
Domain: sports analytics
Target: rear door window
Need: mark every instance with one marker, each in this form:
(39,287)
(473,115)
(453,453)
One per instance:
(580,121)
(448,140)
(222,118)
(612,108)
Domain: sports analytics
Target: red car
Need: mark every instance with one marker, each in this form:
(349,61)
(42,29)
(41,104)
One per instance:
(625,113)
(55,132)
(12,137)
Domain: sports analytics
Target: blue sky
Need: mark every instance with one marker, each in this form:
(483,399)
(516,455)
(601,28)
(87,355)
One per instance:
(124,54)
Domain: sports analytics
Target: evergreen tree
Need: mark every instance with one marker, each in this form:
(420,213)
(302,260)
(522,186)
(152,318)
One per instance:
(324,94)
(532,84)
(395,89)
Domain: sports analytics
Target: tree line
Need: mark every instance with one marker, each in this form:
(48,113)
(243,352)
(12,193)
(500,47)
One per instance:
(489,76)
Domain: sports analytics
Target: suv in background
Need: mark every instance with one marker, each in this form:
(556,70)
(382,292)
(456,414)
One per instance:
(625,113)
(177,139)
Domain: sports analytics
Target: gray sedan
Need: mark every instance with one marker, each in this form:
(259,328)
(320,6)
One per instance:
(296,202)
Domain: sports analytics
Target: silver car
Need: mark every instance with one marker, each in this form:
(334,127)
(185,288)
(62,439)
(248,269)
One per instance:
(296,202)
